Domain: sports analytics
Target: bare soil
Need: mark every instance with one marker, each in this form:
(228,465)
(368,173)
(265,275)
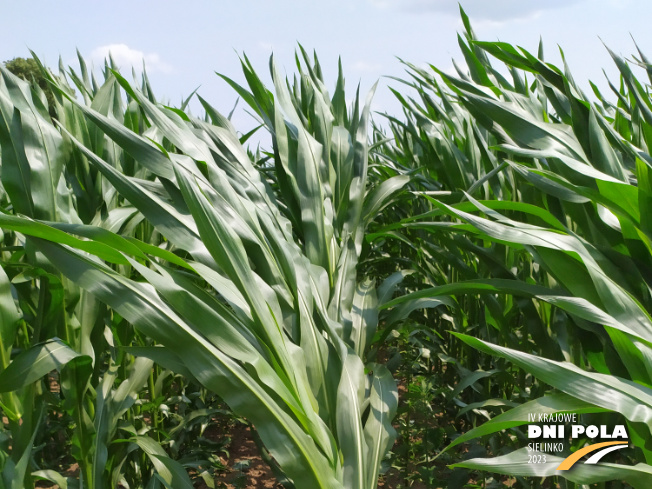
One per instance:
(246,469)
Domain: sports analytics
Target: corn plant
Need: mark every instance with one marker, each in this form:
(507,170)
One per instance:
(495,250)
(253,294)
(48,322)
(560,230)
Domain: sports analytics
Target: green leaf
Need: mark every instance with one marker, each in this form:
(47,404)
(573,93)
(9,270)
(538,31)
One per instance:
(171,472)
(632,400)
(32,364)
(518,416)
(517,464)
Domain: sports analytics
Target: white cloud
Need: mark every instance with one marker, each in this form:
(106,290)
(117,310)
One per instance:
(382,3)
(450,70)
(366,67)
(126,58)
(495,10)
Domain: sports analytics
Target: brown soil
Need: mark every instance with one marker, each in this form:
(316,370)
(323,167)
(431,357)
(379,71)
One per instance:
(246,469)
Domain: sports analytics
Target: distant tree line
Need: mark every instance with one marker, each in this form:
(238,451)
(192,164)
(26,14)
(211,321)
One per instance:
(29,70)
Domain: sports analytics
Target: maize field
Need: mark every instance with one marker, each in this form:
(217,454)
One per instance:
(374,300)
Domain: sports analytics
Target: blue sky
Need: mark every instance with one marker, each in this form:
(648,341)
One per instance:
(184,43)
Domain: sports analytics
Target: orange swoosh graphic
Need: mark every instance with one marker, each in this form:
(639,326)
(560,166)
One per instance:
(571,459)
